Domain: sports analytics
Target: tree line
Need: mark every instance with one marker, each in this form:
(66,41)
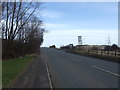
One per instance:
(22,31)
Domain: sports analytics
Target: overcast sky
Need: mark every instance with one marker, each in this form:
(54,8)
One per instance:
(94,21)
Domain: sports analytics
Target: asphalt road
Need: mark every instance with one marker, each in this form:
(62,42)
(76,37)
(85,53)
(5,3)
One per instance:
(69,70)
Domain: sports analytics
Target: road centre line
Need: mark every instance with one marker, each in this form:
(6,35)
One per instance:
(99,68)
(105,70)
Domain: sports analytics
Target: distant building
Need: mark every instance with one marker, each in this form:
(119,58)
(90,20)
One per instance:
(70,46)
(98,47)
(90,47)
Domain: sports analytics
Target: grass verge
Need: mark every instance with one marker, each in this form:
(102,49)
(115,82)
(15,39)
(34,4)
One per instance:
(11,69)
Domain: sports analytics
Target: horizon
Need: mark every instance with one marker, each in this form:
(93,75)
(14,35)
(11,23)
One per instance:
(94,21)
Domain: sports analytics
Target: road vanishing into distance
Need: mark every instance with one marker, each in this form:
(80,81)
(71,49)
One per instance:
(69,70)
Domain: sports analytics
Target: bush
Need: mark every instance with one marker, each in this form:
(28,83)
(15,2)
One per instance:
(53,46)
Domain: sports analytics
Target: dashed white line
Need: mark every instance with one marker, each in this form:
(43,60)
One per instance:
(105,70)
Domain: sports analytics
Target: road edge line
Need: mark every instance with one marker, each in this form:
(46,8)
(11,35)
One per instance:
(48,73)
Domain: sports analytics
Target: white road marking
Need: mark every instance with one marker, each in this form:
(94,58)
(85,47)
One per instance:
(106,70)
(102,69)
(50,81)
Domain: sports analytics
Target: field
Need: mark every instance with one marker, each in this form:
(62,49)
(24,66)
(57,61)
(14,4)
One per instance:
(11,69)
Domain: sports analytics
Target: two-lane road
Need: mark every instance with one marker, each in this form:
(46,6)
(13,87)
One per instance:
(75,71)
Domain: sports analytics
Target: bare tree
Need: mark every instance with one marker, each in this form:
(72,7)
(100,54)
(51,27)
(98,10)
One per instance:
(34,36)
(15,16)
(20,24)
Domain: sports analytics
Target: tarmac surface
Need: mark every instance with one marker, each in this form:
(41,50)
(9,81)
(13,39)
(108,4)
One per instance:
(70,70)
